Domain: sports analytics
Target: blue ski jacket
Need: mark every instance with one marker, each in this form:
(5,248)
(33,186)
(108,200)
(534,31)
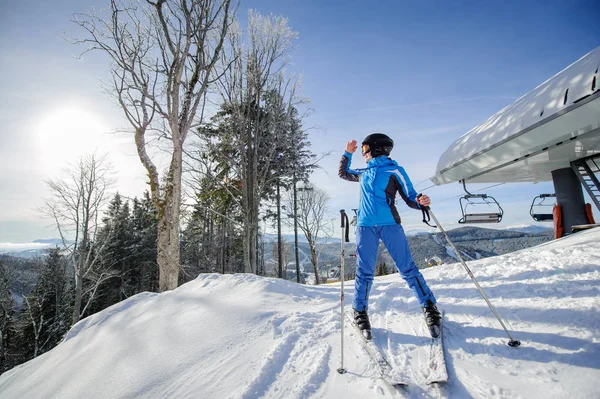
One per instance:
(379,182)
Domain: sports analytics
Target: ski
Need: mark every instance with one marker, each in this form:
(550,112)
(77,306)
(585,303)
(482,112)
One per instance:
(437,363)
(390,375)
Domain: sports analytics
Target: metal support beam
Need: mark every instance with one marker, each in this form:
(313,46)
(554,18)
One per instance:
(569,195)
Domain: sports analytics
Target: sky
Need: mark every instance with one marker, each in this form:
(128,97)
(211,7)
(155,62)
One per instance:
(244,336)
(424,73)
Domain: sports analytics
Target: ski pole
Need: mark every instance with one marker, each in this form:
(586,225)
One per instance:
(426,212)
(345,238)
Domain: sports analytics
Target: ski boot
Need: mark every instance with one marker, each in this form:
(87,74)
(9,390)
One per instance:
(362,321)
(433,318)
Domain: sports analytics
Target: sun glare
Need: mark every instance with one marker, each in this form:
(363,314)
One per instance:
(67,133)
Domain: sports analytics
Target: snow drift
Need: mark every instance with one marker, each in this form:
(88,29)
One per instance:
(244,336)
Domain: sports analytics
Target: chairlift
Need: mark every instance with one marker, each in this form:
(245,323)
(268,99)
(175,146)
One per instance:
(540,210)
(474,205)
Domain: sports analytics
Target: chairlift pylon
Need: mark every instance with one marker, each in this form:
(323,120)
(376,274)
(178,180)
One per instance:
(471,206)
(538,209)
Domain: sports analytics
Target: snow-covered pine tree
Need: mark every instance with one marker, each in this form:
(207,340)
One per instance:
(143,249)
(381,269)
(217,191)
(116,255)
(254,90)
(7,319)
(294,162)
(46,314)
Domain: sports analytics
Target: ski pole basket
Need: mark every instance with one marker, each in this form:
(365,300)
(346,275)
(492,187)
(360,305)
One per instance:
(541,210)
(479,208)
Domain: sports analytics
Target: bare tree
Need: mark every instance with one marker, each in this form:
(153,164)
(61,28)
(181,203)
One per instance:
(312,220)
(280,252)
(76,203)
(164,57)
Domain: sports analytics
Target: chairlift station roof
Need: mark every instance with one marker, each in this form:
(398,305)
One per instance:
(544,130)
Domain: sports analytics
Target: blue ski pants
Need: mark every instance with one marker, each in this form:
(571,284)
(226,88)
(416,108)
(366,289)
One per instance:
(394,239)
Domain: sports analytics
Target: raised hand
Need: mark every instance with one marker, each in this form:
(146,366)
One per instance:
(351,146)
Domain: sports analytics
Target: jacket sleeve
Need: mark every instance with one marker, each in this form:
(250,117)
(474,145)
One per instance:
(344,170)
(406,189)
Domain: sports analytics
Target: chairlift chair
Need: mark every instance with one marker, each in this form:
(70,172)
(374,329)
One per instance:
(471,206)
(540,210)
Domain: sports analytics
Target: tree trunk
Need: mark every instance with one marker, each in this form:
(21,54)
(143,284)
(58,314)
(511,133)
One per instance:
(248,199)
(279,243)
(168,246)
(315,261)
(296,232)
(254,241)
(168,256)
(123,282)
(78,294)
(223,226)
(247,242)
(211,247)
(251,204)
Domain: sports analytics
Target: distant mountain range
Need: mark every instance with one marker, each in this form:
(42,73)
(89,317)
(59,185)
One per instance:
(268,237)
(50,241)
(29,250)
(523,228)
(531,229)
(472,243)
(37,248)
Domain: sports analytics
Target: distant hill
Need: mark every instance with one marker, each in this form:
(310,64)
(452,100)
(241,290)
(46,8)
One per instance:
(268,237)
(24,251)
(50,241)
(472,242)
(476,243)
(24,275)
(30,250)
(531,229)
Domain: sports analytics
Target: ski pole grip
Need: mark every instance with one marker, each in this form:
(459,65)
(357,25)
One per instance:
(345,224)
(426,208)
(426,216)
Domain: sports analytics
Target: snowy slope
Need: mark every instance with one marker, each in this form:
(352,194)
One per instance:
(243,336)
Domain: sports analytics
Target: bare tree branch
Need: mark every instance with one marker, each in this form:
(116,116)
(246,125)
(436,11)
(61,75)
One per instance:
(163,57)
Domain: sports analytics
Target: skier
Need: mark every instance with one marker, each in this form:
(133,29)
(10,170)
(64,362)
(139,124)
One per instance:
(378,219)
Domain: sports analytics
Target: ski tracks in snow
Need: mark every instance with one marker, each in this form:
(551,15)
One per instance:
(298,365)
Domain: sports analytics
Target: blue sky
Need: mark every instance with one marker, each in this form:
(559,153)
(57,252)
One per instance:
(424,72)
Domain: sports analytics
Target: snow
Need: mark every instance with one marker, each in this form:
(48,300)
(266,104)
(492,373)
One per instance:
(244,336)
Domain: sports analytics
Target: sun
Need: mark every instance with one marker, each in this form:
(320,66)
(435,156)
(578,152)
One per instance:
(68,132)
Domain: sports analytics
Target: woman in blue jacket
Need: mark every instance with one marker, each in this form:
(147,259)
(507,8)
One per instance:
(378,219)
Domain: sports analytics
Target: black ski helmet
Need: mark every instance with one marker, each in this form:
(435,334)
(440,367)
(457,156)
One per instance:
(378,144)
